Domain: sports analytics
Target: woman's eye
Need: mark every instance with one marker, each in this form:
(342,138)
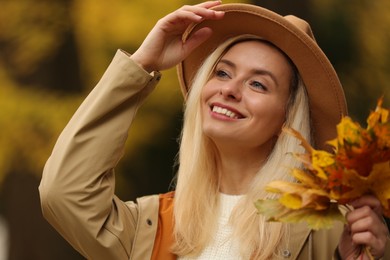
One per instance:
(257,85)
(221,74)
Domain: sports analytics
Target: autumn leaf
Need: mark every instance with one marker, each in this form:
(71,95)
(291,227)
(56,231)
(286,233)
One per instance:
(298,135)
(313,159)
(380,115)
(354,146)
(382,133)
(351,134)
(321,160)
(379,124)
(297,195)
(316,219)
(306,178)
(377,183)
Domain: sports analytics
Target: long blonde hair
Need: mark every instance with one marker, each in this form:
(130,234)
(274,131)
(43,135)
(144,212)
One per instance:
(197,187)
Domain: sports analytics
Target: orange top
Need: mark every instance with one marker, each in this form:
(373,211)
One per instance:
(164,235)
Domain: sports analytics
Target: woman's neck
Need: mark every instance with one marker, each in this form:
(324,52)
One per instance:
(237,168)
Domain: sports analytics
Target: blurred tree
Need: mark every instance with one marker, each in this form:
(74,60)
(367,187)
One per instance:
(356,36)
(37,44)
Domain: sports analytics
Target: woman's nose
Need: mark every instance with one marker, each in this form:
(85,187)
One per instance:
(232,90)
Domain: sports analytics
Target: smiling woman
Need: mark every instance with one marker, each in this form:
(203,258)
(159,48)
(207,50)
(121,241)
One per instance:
(239,148)
(238,68)
(251,80)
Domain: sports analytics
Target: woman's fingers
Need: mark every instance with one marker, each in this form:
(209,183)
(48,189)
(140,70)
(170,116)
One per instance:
(366,225)
(164,48)
(196,39)
(368,200)
(203,9)
(209,4)
(186,15)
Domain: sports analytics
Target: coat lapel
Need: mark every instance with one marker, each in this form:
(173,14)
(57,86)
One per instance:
(295,247)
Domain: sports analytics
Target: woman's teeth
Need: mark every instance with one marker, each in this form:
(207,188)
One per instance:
(224,111)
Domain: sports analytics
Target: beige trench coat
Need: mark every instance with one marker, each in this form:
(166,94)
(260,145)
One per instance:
(77,186)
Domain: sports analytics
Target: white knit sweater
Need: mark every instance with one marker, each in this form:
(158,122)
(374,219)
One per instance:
(223,245)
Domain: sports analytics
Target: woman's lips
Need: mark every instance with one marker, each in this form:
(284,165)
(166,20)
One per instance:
(226,111)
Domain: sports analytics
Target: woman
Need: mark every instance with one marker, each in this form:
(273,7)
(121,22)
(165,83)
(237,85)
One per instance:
(245,72)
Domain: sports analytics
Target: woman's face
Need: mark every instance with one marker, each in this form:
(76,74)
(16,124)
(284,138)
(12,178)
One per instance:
(243,103)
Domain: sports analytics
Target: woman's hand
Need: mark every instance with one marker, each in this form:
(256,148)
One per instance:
(163,48)
(365,228)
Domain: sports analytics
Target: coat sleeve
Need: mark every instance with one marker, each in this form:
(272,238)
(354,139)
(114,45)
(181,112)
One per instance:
(77,186)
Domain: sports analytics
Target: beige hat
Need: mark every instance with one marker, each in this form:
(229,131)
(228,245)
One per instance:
(293,36)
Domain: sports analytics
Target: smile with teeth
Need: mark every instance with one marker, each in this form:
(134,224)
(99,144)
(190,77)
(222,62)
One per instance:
(224,111)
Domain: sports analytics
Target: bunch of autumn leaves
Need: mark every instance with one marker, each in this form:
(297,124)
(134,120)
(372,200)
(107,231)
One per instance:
(359,165)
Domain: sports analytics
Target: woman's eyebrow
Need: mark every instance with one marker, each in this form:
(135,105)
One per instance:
(228,62)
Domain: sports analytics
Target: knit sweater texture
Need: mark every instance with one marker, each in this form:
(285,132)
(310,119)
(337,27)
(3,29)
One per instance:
(223,245)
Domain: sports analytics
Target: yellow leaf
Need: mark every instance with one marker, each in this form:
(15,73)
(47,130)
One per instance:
(321,159)
(334,144)
(291,201)
(348,131)
(296,195)
(316,219)
(284,186)
(271,209)
(305,178)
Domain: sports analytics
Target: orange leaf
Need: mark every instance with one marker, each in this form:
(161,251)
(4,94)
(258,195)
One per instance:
(376,183)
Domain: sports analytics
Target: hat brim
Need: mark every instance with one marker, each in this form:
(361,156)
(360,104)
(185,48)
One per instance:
(326,97)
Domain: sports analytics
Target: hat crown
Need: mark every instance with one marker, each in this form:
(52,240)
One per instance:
(300,24)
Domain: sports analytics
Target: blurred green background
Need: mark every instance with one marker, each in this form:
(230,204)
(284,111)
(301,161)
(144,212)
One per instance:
(52,53)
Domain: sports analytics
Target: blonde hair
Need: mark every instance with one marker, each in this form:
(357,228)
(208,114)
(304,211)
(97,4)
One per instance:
(197,188)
